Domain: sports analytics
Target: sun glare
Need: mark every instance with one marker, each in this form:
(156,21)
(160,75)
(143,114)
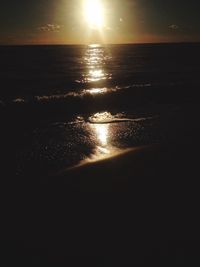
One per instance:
(94,15)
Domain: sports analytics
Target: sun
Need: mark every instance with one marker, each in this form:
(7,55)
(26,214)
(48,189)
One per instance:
(94,14)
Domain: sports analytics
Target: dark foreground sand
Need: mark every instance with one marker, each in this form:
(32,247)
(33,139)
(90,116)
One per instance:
(142,209)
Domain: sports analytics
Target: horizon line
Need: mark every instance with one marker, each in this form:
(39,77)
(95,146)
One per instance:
(103,44)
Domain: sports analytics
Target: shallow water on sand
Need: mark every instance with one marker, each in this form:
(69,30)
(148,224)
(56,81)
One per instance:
(63,145)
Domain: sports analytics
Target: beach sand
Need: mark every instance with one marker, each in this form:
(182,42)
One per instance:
(139,207)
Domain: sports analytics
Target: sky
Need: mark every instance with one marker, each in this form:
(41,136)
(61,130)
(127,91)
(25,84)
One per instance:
(124,21)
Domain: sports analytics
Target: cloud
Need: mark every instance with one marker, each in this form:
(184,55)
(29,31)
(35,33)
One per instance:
(174,27)
(50,28)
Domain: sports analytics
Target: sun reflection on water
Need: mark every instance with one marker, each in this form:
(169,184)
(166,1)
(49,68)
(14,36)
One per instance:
(94,45)
(103,135)
(95,91)
(96,75)
(103,148)
(102,132)
(95,59)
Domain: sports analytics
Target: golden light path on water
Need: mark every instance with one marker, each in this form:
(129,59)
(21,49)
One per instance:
(96,91)
(96,75)
(103,131)
(95,59)
(104,149)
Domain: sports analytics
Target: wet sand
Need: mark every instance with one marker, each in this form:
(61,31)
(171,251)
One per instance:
(155,170)
(139,207)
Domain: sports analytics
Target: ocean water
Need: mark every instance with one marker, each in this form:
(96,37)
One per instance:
(38,71)
(74,104)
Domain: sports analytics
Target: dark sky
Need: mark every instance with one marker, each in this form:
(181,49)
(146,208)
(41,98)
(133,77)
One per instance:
(125,21)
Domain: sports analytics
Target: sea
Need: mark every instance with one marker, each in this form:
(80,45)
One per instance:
(66,105)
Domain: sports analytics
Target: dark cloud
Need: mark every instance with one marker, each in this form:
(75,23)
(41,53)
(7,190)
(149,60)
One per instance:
(50,28)
(173,27)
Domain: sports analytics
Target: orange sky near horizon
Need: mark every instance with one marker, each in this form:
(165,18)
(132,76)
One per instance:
(99,21)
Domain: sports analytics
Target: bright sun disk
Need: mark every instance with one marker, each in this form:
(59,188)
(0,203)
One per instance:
(93,12)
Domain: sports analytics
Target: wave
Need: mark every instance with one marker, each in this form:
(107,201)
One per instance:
(95,91)
(107,117)
(126,91)
(19,100)
(143,98)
